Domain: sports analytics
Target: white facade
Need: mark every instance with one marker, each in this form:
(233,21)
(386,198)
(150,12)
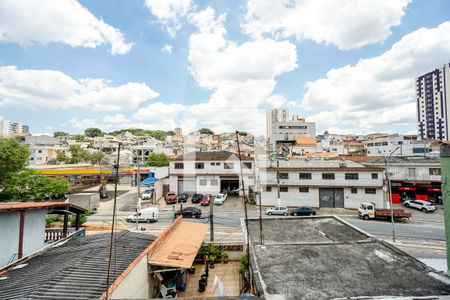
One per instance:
(407,145)
(10,128)
(42,148)
(273,116)
(286,132)
(320,183)
(213,174)
(433,103)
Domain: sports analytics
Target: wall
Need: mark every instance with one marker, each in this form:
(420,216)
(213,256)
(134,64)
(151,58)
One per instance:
(33,238)
(136,283)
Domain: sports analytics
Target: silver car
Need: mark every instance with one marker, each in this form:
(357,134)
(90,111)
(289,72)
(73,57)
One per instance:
(422,205)
(277,210)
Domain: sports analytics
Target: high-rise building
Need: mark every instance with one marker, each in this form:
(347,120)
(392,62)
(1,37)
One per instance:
(10,128)
(433,104)
(275,115)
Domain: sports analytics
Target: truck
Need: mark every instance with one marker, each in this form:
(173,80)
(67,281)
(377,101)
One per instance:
(368,211)
(149,214)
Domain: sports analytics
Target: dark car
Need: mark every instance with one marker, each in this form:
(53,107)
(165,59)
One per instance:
(303,211)
(189,212)
(197,198)
(183,198)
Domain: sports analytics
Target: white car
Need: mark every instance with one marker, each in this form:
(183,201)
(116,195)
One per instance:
(220,198)
(277,210)
(147,195)
(422,205)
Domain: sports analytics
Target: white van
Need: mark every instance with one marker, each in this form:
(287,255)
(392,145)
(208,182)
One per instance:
(150,214)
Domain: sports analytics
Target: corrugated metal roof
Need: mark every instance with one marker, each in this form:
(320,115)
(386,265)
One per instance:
(74,270)
(10,206)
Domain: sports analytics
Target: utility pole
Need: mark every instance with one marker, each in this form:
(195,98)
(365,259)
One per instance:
(278,182)
(445,169)
(211,221)
(389,189)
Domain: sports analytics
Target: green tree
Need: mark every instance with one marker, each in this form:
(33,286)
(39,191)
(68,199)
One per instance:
(206,131)
(93,132)
(60,156)
(97,158)
(77,155)
(158,160)
(79,138)
(13,157)
(26,185)
(60,133)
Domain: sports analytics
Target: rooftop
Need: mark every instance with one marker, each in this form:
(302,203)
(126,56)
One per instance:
(76,269)
(13,206)
(325,258)
(210,155)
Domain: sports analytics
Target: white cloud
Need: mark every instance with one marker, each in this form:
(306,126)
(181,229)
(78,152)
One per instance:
(159,111)
(63,21)
(169,12)
(47,89)
(167,49)
(119,118)
(378,92)
(108,124)
(347,24)
(241,77)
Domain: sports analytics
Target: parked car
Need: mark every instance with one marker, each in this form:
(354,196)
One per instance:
(196,198)
(147,195)
(422,205)
(170,198)
(189,212)
(206,200)
(277,210)
(220,199)
(303,211)
(150,214)
(183,198)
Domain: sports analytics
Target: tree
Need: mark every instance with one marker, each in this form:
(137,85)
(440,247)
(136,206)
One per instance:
(158,160)
(79,138)
(60,133)
(97,158)
(77,155)
(206,131)
(93,132)
(60,156)
(26,185)
(13,157)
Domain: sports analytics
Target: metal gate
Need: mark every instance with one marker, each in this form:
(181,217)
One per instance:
(331,197)
(188,186)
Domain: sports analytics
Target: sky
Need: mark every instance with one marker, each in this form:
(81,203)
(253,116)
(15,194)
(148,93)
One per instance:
(348,65)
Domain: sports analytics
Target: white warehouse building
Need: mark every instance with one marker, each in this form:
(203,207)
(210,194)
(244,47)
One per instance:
(210,172)
(319,183)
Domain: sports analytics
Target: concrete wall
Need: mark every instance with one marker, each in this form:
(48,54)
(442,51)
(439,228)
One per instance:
(33,235)
(136,284)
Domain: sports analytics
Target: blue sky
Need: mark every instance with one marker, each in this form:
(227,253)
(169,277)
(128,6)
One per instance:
(348,65)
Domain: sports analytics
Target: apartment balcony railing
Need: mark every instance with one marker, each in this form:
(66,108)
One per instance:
(55,234)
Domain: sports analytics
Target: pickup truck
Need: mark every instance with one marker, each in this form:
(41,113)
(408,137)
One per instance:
(368,211)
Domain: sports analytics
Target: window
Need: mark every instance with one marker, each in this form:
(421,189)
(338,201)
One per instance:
(268,188)
(351,176)
(214,182)
(419,150)
(228,165)
(199,165)
(374,175)
(412,172)
(371,191)
(202,182)
(215,164)
(435,171)
(283,189)
(354,190)
(304,175)
(328,176)
(283,175)
(39,151)
(303,189)
(179,165)
(248,165)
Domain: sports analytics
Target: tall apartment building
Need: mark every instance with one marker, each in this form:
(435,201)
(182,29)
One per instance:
(433,103)
(10,128)
(275,115)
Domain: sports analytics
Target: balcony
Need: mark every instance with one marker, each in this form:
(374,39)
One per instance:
(54,234)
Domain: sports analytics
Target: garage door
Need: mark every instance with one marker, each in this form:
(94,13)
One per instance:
(331,197)
(187,186)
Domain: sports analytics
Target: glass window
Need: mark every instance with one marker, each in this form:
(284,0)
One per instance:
(179,165)
(354,190)
(202,182)
(214,182)
(268,188)
(328,176)
(374,175)
(228,165)
(304,175)
(351,176)
(435,171)
(283,189)
(248,165)
(371,191)
(199,165)
(283,175)
(303,189)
